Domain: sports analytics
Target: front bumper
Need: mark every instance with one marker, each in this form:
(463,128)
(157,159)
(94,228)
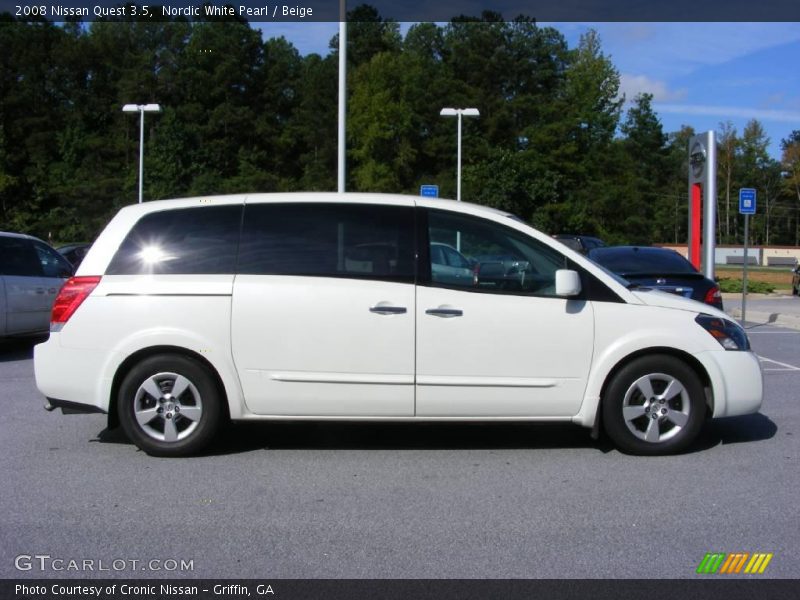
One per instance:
(736,380)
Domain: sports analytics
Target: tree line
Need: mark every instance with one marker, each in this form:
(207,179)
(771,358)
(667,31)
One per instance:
(553,143)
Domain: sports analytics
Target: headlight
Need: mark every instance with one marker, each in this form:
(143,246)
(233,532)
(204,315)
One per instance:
(729,334)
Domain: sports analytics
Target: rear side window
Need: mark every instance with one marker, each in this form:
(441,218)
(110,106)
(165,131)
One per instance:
(646,261)
(329,240)
(18,257)
(184,241)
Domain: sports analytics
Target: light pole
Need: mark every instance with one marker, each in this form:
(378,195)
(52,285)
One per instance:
(141,109)
(342,150)
(458,112)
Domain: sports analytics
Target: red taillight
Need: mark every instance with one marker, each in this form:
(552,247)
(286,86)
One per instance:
(72,294)
(713,297)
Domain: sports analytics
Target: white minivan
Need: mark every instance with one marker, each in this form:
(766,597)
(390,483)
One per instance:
(319,306)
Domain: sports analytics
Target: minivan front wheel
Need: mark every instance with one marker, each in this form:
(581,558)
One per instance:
(654,405)
(169,405)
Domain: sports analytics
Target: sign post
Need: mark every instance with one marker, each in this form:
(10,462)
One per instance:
(702,202)
(747,207)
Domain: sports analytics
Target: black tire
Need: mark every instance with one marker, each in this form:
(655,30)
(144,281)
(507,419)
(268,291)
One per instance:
(679,411)
(166,425)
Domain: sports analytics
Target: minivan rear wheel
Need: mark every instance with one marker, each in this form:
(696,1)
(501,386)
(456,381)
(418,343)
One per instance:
(169,405)
(654,405)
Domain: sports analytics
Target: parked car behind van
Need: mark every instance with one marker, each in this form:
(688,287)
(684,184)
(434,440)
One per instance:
(658,268)
(74,253)
(328,306)
(31,274)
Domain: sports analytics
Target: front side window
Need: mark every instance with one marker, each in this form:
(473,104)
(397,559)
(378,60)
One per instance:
(187,241)
(481,255)
(329,240)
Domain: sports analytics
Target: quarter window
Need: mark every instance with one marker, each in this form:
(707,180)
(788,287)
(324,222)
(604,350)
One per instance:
(185,241)
(329,240)
(485,256)
(53,264)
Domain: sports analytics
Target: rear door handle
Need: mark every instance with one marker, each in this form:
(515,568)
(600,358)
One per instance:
(447,313)
(40,290)
(388,310)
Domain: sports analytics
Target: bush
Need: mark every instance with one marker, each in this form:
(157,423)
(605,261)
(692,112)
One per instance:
(753,287)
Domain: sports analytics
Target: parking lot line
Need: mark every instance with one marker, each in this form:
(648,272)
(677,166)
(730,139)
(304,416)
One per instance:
(784,366)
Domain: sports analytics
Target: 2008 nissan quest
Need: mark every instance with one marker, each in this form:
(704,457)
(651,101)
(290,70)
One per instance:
(329,306)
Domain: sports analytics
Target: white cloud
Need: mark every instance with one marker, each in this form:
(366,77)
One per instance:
(632,85)
(668,50)
(763,114)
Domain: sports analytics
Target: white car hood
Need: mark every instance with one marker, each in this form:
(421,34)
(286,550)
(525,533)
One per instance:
(666,300)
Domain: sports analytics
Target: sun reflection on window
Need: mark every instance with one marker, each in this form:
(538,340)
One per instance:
(153,254)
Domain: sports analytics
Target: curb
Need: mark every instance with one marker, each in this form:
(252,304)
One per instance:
(751,296)
(755,318)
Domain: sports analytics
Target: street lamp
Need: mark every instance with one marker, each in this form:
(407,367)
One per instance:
(458,112)
(141,109)
(341,158)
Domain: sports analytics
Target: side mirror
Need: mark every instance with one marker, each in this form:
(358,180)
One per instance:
(568,283)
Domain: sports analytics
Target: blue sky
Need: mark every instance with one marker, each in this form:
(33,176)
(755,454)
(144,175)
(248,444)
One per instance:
(700,74)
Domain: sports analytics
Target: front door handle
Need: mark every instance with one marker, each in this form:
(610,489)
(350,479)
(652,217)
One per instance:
(380,309)
(447,313)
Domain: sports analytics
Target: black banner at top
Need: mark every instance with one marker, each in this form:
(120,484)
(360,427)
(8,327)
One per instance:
(412,10)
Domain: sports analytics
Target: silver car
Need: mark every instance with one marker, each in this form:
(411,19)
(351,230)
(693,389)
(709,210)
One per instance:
(31,274)
(449,266)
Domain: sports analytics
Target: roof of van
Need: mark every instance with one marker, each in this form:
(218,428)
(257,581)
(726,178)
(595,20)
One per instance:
(303,197)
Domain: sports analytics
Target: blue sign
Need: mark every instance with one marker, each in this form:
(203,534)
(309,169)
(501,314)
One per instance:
(747,201)
(429,191)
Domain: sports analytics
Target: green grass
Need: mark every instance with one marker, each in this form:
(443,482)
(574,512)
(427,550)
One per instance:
(780,278)
(753,287)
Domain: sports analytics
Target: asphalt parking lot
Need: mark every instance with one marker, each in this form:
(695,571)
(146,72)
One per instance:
(304,500)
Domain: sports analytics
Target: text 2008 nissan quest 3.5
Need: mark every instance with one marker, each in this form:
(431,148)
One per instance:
(189,312)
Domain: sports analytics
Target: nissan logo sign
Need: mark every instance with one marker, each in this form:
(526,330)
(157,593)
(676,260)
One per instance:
(697,159)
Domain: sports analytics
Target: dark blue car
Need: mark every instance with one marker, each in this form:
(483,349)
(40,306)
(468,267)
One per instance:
(660,269)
